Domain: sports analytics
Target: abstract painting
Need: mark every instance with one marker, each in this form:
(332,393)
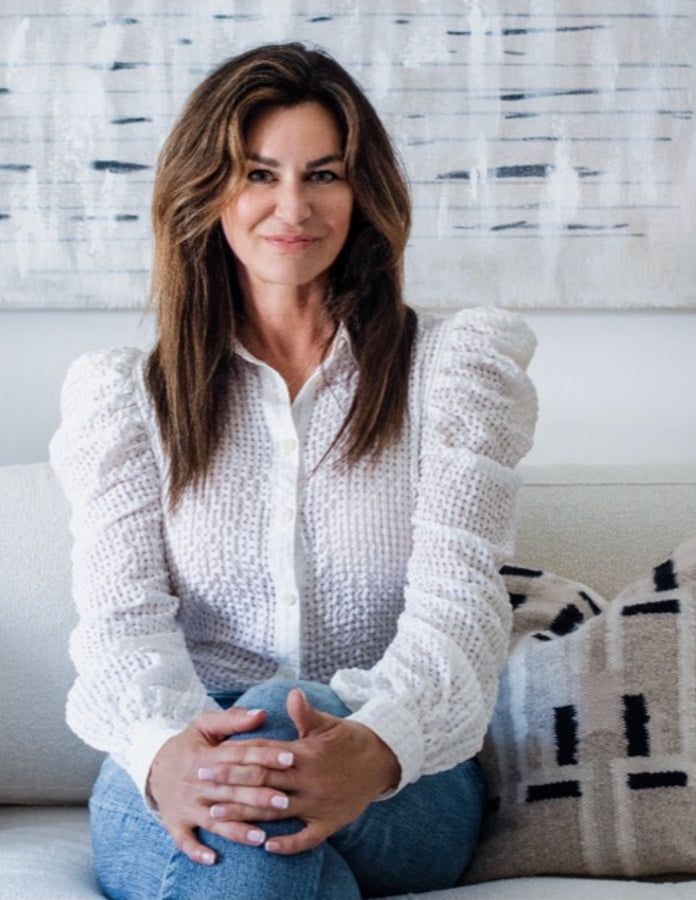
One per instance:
(549,144)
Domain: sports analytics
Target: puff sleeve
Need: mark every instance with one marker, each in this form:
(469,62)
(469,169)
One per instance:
(431,695)
(136,685)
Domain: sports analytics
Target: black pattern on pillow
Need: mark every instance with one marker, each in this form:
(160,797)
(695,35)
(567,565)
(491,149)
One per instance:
(591,753)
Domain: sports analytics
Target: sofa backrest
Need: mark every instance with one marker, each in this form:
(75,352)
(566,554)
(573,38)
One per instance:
(598,526)
(40,759)
(604,526)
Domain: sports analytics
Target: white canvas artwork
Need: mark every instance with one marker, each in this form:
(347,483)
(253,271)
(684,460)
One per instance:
(550,144)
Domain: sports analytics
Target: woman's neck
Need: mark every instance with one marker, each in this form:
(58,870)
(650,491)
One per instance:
(290,331)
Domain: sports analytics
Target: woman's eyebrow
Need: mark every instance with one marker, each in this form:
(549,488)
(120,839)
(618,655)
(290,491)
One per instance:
(312,164)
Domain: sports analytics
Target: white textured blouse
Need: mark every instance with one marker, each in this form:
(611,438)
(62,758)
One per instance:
(380,579)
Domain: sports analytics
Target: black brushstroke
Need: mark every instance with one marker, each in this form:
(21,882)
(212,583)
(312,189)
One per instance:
(117,167)
(126,217)
(538,95)
(577,226)
(130,120)
(685,114)
(538,170)
(507,226)
(15,167)
(517,600)
(457,175)
(516,32)
(185,41)
(402,21)
(117,66)
(4,217)
(321,19)
(4,90)
(234,17)
(121,20)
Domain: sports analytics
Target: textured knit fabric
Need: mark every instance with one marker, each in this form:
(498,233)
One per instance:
(380,578)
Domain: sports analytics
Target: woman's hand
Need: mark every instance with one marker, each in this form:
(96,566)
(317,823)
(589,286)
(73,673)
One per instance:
(187,799)
(339,768)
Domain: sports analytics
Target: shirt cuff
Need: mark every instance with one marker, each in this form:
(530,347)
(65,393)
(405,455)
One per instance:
(400,731)
(148,738)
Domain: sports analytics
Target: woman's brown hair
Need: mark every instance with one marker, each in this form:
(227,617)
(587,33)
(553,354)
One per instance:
(194,286)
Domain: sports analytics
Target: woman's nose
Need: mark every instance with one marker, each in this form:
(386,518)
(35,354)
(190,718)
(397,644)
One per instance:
(292,204)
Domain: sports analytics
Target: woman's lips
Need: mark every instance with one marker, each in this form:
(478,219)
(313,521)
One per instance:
(290,243)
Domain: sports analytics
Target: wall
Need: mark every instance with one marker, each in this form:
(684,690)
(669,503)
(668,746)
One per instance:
(614,387)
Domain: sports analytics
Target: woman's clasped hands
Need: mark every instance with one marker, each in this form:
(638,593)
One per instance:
(325,778)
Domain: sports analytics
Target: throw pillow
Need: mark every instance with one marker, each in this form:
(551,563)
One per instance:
(591,753)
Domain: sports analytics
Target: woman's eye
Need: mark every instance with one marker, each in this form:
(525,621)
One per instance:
(323,176)
(260,176)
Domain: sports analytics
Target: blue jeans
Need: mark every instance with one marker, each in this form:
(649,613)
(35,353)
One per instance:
(419,840)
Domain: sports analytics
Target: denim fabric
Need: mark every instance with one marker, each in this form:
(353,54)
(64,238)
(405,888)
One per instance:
(419,840)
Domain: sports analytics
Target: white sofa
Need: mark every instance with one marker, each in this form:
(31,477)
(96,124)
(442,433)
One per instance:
(599,526)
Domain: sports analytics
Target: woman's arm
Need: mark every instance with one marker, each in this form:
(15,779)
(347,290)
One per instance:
(136,686)
(431,695)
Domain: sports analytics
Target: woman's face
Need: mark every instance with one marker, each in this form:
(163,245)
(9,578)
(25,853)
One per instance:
(291,219)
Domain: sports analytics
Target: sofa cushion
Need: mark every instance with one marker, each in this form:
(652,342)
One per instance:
(591,753)
(45,854)
(40,759)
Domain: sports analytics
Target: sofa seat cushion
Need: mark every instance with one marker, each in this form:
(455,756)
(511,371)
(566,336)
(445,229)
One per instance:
(45,854)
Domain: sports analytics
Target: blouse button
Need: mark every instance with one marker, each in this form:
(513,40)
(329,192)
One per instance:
(288,514)
(289,599)
(289,445)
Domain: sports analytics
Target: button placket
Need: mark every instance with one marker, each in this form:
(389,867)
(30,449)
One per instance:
(282,536)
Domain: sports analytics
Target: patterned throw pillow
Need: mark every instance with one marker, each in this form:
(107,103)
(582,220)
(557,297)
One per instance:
(591,753)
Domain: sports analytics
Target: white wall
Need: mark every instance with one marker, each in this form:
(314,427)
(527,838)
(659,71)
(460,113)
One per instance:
(614,387)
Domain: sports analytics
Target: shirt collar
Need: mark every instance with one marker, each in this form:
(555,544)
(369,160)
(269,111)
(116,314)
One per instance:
(339,357)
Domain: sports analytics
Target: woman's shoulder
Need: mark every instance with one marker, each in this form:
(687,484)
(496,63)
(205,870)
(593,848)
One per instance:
(105,433)
(486,329)
(103,413)
(105,380)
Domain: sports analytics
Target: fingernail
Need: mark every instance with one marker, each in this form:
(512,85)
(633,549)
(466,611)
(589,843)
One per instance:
(206,774)
(207,857)
(272,846)
(253,712)
(217,812)
(279,801)
(286,759)
(256,836)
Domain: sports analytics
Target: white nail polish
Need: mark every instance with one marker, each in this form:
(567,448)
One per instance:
(286,758)
(217,812)
(256,836)
(279,801)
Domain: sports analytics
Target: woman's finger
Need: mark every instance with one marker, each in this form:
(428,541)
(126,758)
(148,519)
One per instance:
(237,763)
(246,803)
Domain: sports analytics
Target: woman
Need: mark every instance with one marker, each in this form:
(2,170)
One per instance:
(289,519)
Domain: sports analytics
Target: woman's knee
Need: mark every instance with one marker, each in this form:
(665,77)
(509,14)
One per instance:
(271,696)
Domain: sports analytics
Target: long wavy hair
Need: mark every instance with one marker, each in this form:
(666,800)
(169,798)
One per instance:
(194,287)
